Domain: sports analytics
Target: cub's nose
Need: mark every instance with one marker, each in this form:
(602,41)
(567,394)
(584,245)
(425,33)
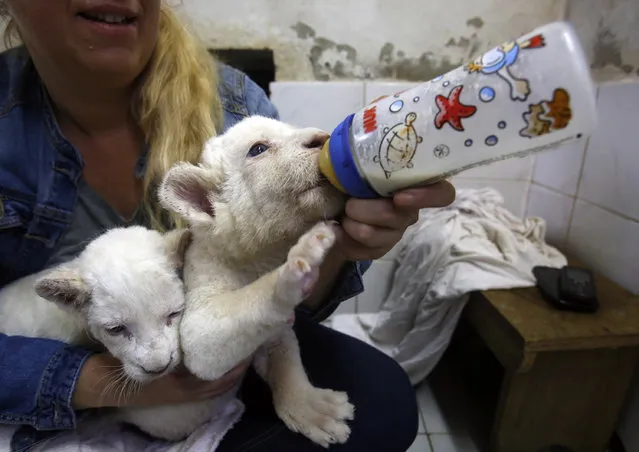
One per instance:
(316,139)
(157,370)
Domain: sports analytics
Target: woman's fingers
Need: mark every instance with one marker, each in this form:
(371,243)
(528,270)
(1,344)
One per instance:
(204,389)
(436,195)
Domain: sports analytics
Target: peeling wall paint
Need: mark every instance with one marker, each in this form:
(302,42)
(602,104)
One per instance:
(366,39)
(406,39)
(609,31)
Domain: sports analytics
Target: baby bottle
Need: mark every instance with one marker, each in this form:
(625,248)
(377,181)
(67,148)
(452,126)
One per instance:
(521,97)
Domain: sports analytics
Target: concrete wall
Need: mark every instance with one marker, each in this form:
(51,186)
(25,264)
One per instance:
(366,39)
(610,35)
(407,39)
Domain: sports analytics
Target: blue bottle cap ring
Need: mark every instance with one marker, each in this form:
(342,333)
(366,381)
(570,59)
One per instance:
(343,164)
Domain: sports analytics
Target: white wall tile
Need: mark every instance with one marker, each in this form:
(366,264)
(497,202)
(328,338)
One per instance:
(612,160)
(317,104)
(607,242)
(453,443)
(559,168)
(434,418)
(553,207)
(377,283)
(422,427)
(514,192)
(374,90)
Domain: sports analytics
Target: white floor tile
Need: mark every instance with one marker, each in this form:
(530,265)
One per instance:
(421,444)
(434,420)
(422,425)
(452,443)
(346,307)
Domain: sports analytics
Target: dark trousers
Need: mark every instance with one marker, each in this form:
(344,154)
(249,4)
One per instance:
(386,413)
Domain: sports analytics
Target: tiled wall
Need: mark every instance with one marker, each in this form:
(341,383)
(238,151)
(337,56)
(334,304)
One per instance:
(589,192)
(589,196)
(325,104)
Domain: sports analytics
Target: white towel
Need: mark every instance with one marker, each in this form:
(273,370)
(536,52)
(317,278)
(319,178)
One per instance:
(472,245)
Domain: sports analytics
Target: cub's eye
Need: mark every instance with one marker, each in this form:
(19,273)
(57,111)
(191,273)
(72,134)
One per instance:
(175,314)
(257,149)
(116,330)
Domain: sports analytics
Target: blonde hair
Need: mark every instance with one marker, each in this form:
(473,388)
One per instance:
(177,106)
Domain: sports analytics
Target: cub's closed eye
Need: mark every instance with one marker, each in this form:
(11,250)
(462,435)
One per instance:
(173,316)
(257,149)
(116,330)
(176,314)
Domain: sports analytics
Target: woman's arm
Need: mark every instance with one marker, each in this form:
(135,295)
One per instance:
(330,272)
(340,280)
(38,380)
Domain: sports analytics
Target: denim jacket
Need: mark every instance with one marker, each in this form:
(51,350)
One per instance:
(39,173)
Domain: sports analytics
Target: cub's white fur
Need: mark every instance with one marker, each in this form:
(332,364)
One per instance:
(255,205)
(122,294)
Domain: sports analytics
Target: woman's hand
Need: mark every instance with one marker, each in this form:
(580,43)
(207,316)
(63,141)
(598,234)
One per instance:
(98,386)
(371,227)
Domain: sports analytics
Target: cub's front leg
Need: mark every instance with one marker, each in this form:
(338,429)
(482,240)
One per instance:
(245,318)
(319,414)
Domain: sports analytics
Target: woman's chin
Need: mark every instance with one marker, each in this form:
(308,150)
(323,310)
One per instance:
(112,66)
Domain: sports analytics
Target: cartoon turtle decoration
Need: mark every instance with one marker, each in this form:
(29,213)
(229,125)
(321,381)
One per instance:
(398,146)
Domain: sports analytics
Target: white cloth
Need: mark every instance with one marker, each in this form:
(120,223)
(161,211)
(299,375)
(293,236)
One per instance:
(100,435)
(472,245)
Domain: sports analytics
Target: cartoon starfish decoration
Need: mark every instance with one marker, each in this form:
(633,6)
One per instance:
(452,111)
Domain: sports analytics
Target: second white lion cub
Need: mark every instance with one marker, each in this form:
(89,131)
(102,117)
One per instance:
(122,294)
(255,206)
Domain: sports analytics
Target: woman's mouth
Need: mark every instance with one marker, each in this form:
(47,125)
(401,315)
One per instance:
(109,19)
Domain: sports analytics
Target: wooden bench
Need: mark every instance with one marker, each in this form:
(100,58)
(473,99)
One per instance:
(566,375)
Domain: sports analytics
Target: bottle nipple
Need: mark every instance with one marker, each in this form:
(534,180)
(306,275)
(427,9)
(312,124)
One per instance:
(326,167)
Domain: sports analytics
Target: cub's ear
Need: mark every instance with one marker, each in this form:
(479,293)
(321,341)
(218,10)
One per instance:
(65,287)
(190,191)
(176,243)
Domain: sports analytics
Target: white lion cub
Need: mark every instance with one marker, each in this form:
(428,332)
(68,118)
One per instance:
(122,293)
(255,205)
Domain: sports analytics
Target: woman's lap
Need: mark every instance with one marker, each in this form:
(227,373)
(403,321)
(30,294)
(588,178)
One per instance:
(386,416)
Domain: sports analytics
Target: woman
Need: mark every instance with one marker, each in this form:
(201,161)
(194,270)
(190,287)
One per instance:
(101,100)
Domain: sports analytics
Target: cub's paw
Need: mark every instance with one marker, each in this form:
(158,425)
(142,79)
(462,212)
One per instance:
(319,414)
(301,270)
